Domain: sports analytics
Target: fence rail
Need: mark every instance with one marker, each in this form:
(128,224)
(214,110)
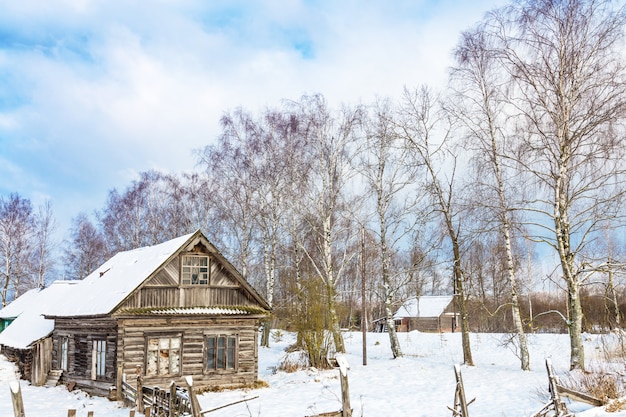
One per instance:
(161,403)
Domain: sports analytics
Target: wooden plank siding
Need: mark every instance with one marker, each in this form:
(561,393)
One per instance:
(81,334)
(129,325)
(191,296)
(34,362)
(133,333)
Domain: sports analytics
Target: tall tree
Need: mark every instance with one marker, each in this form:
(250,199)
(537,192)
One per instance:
(45,226)
(427,134)
(84,249)
(16,230)
(479,103)
(565,63)
(229,165)
(331,137)
(386,167)
(146,213)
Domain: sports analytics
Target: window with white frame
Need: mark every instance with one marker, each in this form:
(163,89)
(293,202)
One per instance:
(163,355)
(98,359)
(195,270)
(221,352)
(64,348)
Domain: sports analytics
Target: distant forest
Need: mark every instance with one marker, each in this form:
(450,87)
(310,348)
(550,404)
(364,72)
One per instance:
(467,191)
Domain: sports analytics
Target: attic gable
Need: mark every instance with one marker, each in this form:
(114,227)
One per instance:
(152,277)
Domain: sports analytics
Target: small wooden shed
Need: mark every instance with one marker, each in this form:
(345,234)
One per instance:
(163,312)
(26,339)
(427,314)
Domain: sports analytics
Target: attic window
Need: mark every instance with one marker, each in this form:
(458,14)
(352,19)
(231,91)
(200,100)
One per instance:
(195,270)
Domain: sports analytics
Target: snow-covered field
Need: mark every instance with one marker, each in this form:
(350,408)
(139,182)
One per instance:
(421,383)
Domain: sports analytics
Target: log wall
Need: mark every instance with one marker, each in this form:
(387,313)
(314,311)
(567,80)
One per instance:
(81,333)
(134,331)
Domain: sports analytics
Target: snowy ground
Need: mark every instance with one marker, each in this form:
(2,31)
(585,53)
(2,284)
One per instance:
(421,383)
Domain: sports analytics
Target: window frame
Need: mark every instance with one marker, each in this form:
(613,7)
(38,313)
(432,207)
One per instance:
(187,270)
(160,337)
(229,352)
(64,353)
(98,358)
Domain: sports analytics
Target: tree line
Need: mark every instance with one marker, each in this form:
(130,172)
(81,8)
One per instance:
(463,191)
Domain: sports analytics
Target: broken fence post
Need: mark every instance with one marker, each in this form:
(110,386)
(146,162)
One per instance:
(16,398)
(195,405)
(460,401)
(346,410)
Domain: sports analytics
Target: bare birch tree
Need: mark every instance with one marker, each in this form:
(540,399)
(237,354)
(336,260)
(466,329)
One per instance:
(229,167)
(388,172)
(43,261)
(479,102)
(84,249)
(331,138)
(421,124)
(565,63)
(16,230)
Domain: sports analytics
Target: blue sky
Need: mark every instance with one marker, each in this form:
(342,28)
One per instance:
(94,91)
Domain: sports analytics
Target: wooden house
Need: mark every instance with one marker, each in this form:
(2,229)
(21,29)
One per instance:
(163,312)
(427,314)
(26,338)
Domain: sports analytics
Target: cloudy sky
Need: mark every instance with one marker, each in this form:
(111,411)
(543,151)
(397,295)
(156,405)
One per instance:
(94,91)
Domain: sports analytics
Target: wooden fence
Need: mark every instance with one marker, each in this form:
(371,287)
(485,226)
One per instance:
(174,402)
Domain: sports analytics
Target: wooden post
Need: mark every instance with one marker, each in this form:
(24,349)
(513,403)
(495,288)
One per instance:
(459,397)
(172,412)
(147,412)
(555,398)
(119,377)
(363,298)
(16,397)
(89,413)
(195,405)
(346,410)
(131,413)
(139,397)
(71,413)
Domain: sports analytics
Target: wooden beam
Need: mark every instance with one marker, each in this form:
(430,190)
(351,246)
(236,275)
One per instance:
(579,396)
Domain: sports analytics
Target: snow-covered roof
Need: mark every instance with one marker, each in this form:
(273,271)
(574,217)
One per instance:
(425,306)
(30,325)
(21,303)
(102,290)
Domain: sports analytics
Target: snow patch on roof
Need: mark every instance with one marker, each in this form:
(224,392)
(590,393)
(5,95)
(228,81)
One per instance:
(21,303)
(30,325)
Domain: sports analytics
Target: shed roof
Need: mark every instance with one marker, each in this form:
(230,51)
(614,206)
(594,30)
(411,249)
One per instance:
(21,303)
(30,325)
(424,306)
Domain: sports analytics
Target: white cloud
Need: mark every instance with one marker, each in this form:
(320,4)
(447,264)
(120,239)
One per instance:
(109,88)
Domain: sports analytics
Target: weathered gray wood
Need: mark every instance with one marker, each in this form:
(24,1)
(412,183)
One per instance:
(578,396)
(462,401)
(346,410)
(139,398)
(172,397)
(195,405)
(210,410)
(16,398)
